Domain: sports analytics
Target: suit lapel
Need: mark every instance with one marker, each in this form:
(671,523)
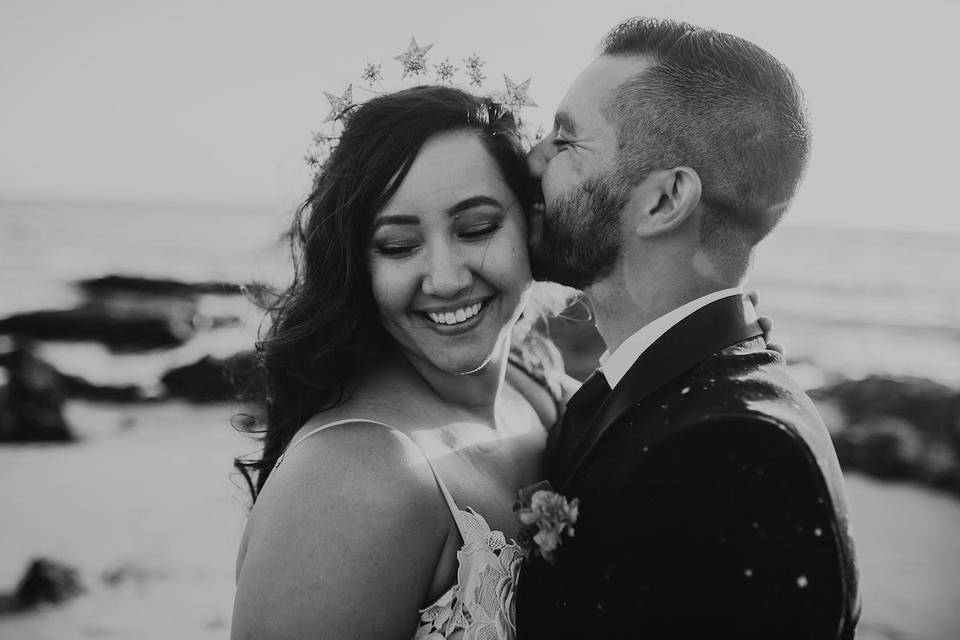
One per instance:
(691,341)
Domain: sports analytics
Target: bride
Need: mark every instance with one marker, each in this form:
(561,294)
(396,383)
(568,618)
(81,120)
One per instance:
(406,405)
(408,401)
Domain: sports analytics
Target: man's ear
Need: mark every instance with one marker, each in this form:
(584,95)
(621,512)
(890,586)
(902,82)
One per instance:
(667,198)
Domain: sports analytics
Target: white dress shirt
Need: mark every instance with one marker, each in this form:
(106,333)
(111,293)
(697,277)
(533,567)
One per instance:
(615,365)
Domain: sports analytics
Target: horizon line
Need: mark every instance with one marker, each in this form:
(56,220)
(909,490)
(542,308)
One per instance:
(219,205)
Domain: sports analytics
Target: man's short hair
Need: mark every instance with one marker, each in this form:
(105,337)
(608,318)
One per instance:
(720,105)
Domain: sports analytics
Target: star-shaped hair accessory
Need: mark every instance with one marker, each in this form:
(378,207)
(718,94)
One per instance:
(445,71)
(413,62)
(414,59)
(322,146)
(339,105)
(516,94)
(372,74)
(475,70)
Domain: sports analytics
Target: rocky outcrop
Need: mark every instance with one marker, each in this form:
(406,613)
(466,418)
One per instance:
(32,392)
(121,328)
(32,402)
(929,406)
(44,582)
(897,428)
(127,313)
(119,284)
(78,388)
(214,379)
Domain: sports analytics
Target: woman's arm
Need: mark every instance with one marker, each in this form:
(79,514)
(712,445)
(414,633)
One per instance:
(344,540)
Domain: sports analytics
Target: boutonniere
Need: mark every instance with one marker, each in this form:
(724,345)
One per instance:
(547,517)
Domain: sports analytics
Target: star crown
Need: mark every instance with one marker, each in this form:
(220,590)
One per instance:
(414,64)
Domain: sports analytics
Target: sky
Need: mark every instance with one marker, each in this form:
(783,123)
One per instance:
(208,102)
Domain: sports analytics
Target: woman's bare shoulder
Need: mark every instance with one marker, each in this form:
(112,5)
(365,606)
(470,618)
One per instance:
(349,520)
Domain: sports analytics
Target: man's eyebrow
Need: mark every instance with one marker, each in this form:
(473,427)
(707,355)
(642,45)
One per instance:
(562,120)
(475,201)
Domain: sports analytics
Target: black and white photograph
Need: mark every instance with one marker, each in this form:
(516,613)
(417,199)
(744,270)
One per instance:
(479,321)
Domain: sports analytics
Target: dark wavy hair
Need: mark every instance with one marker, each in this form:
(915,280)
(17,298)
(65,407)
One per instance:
(325,328)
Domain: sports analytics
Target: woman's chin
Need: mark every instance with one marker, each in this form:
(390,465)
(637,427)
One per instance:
(472,370)
(469,357)
(463,366)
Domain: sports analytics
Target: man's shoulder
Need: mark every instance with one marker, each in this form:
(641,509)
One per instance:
(743,394)
(744,380)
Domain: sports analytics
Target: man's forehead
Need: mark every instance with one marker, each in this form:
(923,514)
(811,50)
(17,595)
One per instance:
(591,88)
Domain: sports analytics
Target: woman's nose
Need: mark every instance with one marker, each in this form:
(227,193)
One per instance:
(447,272)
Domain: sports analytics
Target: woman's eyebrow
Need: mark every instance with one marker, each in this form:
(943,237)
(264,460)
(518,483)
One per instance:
(475,201)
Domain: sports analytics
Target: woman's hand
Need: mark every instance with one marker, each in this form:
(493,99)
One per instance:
(765,322)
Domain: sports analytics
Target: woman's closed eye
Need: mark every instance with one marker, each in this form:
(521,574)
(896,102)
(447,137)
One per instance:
(396,249)
(401,248)
(396,241)
(480,230)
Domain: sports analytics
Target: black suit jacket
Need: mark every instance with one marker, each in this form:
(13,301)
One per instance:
(711,502)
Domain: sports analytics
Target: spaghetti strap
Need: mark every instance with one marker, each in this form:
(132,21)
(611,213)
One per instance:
(487,567)
(451,504)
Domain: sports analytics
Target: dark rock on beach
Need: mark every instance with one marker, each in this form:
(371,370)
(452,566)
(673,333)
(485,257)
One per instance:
(887,448)
(6,417)
(76,387)
(214,379)
(119,284)
(897,428)
(44,582)
(32,402)
(127,313)
(40,382)
(929,406)
(120,328)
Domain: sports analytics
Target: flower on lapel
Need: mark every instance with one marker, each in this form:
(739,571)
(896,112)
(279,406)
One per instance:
(546,517)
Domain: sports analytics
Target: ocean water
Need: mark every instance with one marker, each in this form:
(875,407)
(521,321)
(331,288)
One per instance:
(844,301)
(857,302)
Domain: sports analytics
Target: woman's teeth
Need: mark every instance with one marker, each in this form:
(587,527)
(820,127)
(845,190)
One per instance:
(456,317)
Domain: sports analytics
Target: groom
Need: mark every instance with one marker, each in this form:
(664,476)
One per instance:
(711,504)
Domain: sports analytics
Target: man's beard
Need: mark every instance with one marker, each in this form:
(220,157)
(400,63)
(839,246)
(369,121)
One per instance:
(580,239)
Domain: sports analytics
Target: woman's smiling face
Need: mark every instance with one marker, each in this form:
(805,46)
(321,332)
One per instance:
(448,256)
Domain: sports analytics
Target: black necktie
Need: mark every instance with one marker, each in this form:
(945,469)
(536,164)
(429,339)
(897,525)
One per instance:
(589,396)
(579,412)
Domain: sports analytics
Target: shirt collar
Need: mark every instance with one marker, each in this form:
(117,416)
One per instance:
(615,365)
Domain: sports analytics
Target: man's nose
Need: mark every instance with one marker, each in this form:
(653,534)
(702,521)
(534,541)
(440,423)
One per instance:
(447,272)
(540,156)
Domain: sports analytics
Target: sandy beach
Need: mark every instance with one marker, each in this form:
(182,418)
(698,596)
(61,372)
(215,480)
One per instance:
(149,493)
(147,508)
